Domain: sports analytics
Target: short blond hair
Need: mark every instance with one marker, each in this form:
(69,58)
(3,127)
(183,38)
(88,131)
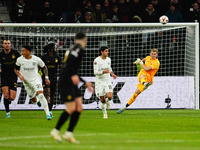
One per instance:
(154,50)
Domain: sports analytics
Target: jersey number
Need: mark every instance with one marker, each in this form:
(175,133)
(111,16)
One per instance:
(38,86)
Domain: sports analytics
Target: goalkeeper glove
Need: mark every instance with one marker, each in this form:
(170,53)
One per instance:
(138,61)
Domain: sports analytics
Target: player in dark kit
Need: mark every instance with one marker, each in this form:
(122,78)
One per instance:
(8,59)
(68,88)
(52,61)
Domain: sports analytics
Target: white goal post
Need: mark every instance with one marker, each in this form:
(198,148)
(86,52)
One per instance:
(177,43)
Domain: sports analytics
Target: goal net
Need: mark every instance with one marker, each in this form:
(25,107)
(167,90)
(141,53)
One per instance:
(177,78)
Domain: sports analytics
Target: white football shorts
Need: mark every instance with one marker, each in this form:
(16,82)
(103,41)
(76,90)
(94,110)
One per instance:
(101,88)
(33,87)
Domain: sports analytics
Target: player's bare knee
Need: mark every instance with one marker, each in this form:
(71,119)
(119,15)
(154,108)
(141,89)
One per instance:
(79,109)
(41,95)
(70,110)
(6,95)
(39,92)
(109,97)
(12,98)
(34,99)
(102,99)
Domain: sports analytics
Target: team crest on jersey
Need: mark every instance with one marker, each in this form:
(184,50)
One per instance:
(69,97)
(33,63)
(56,60)
(13,56)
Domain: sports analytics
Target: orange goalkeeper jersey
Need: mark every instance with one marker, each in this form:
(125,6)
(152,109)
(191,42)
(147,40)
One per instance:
(155,64)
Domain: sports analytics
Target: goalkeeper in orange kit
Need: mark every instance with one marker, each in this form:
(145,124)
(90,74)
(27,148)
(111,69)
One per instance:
(150,66)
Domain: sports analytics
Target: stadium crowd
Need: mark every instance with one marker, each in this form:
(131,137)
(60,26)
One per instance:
(103,11)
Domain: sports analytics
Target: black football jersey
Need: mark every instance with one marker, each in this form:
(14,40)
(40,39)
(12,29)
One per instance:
(8,63)
(71,65)
(52,64)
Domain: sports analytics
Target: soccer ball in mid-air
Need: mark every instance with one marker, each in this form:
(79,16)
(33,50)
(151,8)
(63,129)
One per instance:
(164,19)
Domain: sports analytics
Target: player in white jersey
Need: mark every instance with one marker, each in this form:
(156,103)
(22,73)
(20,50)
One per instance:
(27,70)
(103,85)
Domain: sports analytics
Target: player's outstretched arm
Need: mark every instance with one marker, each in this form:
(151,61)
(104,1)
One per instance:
(89,85)
(146,68)
(46,75)
(141,62)
(113,75)
(17,72)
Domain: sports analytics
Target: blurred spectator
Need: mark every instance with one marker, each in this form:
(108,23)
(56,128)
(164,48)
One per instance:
(77,17)
(157,7)
(87,7)
(114,16)
(136,8)
(113,2)
(67,8)
(98,15)
(46,14)
(84,2)
(2,3)
(177,4)
(124,10)
(191,8)
(150,14)
(173,14)
(20,13)
(107,8)
(88,18)
(194,14)
(188,5)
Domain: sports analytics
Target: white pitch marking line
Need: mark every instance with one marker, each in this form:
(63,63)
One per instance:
(46,146)
(45,136)
(96,134)
(89,146)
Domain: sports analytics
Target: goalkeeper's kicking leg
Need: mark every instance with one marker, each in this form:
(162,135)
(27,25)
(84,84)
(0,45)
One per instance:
(143,85)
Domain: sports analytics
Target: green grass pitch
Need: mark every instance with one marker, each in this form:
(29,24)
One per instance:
(132,130)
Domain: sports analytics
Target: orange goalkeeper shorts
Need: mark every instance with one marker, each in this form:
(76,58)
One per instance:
(140,86)
(149,78)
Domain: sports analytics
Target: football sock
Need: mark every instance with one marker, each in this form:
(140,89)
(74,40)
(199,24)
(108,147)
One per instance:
(44,103)
(103,106)
(10,101)
(6,104)
(73,121)
(143,80)
(132,99)
(62,119)
(50,106)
